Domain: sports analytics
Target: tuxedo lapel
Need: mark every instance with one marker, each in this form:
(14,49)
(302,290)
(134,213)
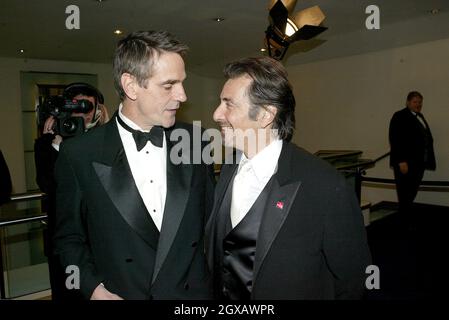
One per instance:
(115,175)
(211,231)
(225,183)
(178,191)
(278,205)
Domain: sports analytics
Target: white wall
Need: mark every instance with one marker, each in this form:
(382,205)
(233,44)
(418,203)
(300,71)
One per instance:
(347,103)
(203,96)
(10,104)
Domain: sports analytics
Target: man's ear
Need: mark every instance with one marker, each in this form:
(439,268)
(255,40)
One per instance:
(266,117)
(129,85)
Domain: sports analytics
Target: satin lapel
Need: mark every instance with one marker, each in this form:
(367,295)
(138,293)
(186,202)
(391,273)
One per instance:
(277,209)
(280,200)
(211,230)
(221,188)
(178,191)
(115,175)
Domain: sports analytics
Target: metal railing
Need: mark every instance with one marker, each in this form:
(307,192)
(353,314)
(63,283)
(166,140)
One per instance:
(435,186)
(439,186)
(16,220)
(36,195)
(23,197)
(381,157)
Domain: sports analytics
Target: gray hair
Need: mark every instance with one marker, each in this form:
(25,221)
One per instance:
(135,55)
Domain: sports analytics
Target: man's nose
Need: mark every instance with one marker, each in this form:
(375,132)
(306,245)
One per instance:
(180,94)
(218,114)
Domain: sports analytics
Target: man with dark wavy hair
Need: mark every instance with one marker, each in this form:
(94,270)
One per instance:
(285,224)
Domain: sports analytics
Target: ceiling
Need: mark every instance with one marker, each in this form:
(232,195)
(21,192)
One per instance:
(38,27)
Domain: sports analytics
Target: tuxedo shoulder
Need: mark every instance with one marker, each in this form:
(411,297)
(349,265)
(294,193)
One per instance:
(401,113)
(306,164)
(85,140)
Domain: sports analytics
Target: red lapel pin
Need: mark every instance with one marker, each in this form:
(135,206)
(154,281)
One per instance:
(280,205)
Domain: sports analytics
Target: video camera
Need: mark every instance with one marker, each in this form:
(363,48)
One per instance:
(62,108)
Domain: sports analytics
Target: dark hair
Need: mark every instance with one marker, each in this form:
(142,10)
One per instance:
(134,55)
(85,89)
(270,87)
(414,94)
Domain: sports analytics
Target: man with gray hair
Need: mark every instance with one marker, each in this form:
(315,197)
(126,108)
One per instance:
(128,219)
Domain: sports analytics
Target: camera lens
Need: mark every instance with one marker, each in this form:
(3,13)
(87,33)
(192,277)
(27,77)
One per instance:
(70,126)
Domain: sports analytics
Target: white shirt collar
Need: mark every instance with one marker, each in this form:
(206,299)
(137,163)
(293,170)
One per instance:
(264,164)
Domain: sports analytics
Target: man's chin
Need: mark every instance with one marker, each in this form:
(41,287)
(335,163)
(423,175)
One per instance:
(228,143)
(169,123)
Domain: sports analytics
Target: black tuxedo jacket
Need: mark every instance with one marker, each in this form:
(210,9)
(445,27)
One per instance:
(408,141)
(5,181)
(314,245)
(103,227)
(45,158)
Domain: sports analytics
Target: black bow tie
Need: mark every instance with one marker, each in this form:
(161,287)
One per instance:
(155,136)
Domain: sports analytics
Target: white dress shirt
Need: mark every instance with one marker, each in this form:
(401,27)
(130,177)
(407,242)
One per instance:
(251,178)
(419,119)
(149,170)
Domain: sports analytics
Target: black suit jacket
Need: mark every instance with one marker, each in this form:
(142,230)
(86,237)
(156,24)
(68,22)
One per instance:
(103,227)
(5,181)
(45,158)
(408,140)
(315,247)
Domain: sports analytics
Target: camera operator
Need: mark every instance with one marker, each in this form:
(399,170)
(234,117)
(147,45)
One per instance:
(46,150)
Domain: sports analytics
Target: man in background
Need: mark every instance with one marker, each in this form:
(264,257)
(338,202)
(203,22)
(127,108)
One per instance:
(46,151)
(411,153)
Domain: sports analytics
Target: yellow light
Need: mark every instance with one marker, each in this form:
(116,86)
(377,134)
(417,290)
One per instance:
(118,31)
(290,28)
(312,16)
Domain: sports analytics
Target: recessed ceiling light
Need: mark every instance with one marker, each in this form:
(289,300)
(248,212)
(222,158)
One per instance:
(118,32)
(218,19)
(434,11)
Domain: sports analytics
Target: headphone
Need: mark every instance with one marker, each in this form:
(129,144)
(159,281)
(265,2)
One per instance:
(76,88)
(85,89)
